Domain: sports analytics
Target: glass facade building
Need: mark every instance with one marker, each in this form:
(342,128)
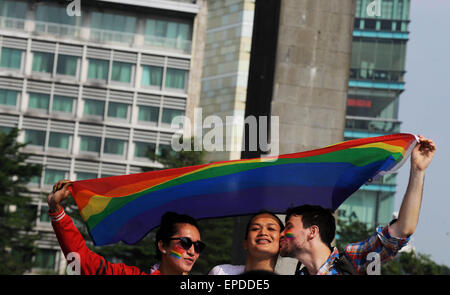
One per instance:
(92,94)
(375,84)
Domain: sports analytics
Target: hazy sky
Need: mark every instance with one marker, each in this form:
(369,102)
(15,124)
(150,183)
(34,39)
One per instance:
(425,109)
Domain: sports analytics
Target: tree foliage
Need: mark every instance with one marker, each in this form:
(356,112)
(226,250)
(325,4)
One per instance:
(412,263)
(350,231)
(17,216)
(405,263)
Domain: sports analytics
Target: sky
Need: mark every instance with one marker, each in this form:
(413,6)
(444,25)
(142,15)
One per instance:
(425,110)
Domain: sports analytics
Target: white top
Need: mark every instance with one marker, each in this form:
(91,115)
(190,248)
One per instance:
(227,269)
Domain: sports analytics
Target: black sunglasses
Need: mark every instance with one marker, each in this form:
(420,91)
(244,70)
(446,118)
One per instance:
(186,243)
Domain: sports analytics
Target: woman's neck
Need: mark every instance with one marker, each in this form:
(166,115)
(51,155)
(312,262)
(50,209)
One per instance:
(167,270)
(254,263)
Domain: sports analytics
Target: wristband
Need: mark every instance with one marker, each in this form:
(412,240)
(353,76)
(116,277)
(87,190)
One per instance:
(58,215)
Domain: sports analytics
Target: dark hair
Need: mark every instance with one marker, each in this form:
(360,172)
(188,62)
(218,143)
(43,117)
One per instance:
(319,216)
(259,272)
(280,223)
(168,228)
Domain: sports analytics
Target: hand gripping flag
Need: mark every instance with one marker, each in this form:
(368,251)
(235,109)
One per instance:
(125,208)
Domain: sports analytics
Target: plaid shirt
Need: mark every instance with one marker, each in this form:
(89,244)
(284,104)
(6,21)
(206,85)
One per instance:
(380,242)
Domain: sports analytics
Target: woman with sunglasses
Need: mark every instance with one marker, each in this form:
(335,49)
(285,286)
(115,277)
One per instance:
(178,243)
(262,242)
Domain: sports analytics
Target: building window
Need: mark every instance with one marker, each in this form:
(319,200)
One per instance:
(113,22)
(121,72)
(151,76)
(13,8)
(94,107)
(386,25)
(148,114)
(52,176)
(8,97)
(43,62)
(378,59)
(168,34)
(44,217)
(59,140)
(38,101)
(55,14)
(67,65)
(387,9)
(35,180)
(176,78)
(370,24)
(114,146)
(117,110)
(141,149)
(98,69)
(86,175)
(45,259)
(62,104)
(35,137)
(108,175)
(164,150)
(169,114)
(11,58)
(5,129)
(90,144)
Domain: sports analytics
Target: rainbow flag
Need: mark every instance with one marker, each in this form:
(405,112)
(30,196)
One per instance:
(125,208)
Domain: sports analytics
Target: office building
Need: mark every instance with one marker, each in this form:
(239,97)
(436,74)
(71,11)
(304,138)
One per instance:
(93,93)
(376,82)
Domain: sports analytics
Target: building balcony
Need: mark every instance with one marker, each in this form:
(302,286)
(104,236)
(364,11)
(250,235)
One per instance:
(385,25)
(376,75)
(107,36)
(58,30)
(371,126)
(12,23)
(183,46)
(96,35)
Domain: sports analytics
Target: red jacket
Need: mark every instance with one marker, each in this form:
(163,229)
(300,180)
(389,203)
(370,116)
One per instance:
(71,240)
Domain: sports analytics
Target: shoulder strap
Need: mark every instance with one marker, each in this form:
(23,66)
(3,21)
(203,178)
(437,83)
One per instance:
(344,265)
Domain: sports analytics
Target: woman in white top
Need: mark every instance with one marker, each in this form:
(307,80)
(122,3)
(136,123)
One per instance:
(262,242)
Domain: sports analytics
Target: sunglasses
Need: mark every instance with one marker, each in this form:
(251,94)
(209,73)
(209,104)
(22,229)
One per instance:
(186,243)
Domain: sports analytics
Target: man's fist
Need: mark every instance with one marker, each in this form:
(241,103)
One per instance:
(422,154)
(59,193)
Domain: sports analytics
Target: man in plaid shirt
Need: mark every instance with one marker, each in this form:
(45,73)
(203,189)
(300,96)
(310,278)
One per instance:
(310,230)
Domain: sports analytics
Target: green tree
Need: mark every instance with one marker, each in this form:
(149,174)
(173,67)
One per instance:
(350,231)
(17,216)
(412,263)
(405,263)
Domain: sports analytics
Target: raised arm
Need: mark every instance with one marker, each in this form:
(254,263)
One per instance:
(71,240)
(408,216)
